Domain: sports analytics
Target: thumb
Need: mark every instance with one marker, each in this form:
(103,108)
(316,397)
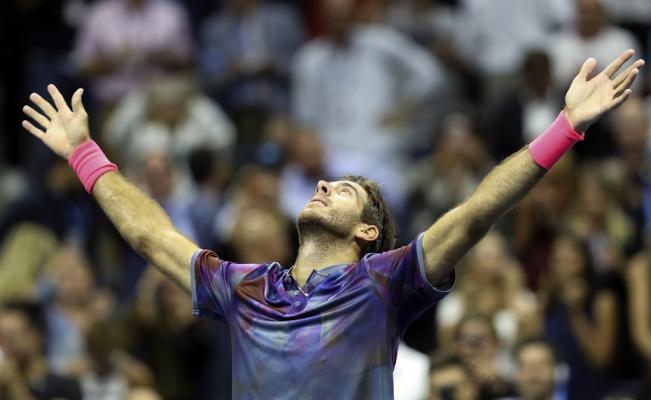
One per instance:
(587,68)
(77,106)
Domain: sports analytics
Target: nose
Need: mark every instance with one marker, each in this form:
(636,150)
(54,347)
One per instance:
(323,187)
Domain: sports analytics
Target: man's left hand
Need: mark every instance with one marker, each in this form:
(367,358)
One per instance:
(590,97)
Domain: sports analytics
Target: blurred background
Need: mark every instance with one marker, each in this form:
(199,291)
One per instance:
(228,112)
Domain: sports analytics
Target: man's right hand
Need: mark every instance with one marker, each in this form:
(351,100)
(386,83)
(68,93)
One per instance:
(63,130)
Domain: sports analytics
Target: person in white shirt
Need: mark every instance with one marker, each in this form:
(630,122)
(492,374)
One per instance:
(592,35)
(358,87)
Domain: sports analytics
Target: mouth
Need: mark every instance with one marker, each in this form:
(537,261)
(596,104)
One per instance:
(318,200)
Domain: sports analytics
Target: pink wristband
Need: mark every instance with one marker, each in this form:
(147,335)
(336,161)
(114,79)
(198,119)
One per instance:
(89,163)
(555,141)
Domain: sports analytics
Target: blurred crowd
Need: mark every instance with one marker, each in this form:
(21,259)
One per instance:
(228,112)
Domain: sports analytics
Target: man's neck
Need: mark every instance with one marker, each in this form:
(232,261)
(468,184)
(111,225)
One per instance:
(316,254)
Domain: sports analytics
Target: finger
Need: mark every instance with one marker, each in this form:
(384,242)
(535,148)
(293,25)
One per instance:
(77,105)
(43,104)
(627,82)
(587,68)
(59,101)
(617,101)
(622,77)
(617,63)
(37,116)
(33,130)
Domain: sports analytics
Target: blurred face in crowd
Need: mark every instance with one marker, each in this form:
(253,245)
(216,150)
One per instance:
(18,339)
(593,197)
(591,17)
(339,17)
(260,236)
(535,373)
(631,125)
(158,175)
(451,382)
(567,260)
(307,152)
(475,340)
(74,279)
(336,208)
(260,188)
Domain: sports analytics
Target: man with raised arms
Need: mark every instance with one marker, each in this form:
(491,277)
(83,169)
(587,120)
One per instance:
(328,326)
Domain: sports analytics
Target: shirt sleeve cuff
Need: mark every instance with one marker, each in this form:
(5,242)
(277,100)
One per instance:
(193,274)
(447,285)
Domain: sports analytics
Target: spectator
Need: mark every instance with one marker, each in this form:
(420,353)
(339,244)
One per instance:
(210,174)
(246,52)
(189,358)
(631,126)
(254,187)
(498,53)
(600,221)
(591,36)
(170,115)
(526,110)
(359,87)
(24,373)
(305,168)
(124,43)
(476,345)
(110,372)
(448,175)
(580,317)
(535,378)
(492,286)
(77,303)
(450,379)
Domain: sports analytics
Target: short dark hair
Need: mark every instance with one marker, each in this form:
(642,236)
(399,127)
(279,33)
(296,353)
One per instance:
(536,341)
(445,359)
(31,311)
(375,212)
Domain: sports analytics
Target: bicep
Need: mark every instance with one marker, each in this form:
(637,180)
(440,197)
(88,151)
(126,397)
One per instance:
(173,256)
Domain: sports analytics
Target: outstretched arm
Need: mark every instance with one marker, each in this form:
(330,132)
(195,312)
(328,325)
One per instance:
(588,98)
(138,218)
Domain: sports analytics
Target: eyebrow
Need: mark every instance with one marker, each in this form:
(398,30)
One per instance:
(344,183)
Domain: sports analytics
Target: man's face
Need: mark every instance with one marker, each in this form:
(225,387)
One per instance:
(336,207)
(451,382)
(17,339)
(535,374)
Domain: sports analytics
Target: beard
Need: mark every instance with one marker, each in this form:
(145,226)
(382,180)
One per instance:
(324,227)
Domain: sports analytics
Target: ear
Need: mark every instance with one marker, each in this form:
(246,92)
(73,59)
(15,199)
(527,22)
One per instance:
(367,232)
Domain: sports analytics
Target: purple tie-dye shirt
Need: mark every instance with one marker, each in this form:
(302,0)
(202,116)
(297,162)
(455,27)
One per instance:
(338,340)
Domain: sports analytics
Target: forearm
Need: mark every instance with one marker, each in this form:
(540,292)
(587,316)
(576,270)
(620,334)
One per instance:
(132,212)
(500,190)
(145,226)
(458,230)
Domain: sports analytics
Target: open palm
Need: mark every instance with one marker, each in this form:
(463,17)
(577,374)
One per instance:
(62,129)
(589,97)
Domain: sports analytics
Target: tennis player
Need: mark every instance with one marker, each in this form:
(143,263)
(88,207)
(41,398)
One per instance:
(327,327)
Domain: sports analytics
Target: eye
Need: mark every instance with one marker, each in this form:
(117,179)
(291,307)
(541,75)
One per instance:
(345,190)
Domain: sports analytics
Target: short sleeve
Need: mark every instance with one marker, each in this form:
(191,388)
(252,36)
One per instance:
(400,277)
(213,284)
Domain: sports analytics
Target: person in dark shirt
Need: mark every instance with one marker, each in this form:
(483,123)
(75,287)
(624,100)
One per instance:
(24,374)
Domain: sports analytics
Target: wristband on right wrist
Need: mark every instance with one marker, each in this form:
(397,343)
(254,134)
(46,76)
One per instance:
(555,141)
(89,163)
